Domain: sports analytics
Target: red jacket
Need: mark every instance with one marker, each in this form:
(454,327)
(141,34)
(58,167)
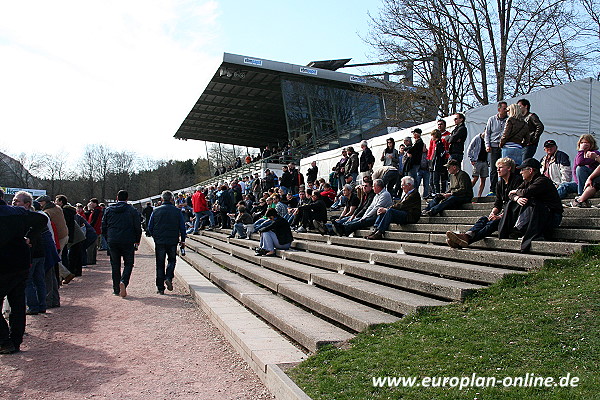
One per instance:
(199,202)
(328,193)
(95,219)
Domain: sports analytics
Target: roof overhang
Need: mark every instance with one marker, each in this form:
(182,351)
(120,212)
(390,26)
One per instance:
(243,103)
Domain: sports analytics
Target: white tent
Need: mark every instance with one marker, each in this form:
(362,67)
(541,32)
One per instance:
(567,111)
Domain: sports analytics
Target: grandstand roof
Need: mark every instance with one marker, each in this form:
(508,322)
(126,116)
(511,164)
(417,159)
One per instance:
(243,104)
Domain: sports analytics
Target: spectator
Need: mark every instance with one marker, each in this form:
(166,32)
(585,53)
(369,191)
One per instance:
(121,225)
(201,209)
(591,185)
(479,160)
(314,214)
(328,194)
(285,182)
(388,174)
(405,211)
(438,156)
(585,161)
(535,126)
(312,173)
(353,163)
(340,170)
(456,140)
(556,165)
(382,199)
(297,178)
(366,196)
(15,258)
(167,228)
(534,209)
(390,154)
(367,160)
(241,220)
(276,235)
(492,134)
(515,134)
(461,191)
(508,180)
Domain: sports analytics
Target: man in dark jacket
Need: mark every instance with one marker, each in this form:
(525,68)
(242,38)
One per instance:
(15,260)
(122,227)
(534,208)
(457,138)
(366,159)
(508,180)
(461,191)
(353,163)
(311,174)
(405,211)
(167,228)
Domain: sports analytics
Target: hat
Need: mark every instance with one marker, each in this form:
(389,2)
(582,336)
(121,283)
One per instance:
(452,162)
(417,130)
(549,143)
(531,163)
(45,198)
(348,176)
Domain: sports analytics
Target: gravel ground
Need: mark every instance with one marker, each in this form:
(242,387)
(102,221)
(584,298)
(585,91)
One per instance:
(146,346)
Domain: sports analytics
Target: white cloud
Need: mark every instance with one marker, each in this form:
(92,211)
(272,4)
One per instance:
(124,73)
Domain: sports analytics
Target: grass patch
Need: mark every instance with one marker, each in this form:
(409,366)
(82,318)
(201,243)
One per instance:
(545,323)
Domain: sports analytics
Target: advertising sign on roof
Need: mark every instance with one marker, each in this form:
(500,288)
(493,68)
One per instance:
(253,61)
(310,71)
(358,79)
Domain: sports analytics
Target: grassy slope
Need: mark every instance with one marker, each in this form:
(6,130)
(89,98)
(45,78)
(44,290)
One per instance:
(546,323)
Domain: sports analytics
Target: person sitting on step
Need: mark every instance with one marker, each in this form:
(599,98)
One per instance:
(508,179)
(534,208)
(460,192)
(276,235)
(405,211)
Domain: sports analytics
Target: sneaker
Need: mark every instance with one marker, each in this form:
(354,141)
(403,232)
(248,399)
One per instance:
(301,230)
(169,284)
(337,228)
(320,227)
(243,237)
(122,290)
(490,194)
(377,235)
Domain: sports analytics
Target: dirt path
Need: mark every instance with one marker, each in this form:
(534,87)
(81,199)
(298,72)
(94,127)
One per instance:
(146,346)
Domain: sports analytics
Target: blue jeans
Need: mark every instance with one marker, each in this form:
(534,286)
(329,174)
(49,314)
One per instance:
(383,221)
(35,287)
(529,151)
(515,153)
(582,172)
(356,224)
(199,215)
(239,229)
(483,228)
(269,242)
(451,203)
(567,187)
(170,252)
(118,251)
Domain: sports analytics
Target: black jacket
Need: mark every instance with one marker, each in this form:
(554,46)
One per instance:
(122,223)
(541,189)
(503,188)
(366,161)
(282,230)
(311,174)
(412,205)
(457,139)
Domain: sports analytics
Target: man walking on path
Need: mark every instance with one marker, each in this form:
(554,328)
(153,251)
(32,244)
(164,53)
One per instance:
(167,228)
(122,228)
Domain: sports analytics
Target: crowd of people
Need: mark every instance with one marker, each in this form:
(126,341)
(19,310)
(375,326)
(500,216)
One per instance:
(50,242)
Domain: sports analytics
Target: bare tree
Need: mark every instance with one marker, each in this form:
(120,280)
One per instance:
(470,52)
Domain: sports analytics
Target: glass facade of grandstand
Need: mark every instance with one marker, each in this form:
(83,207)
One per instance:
(317,114)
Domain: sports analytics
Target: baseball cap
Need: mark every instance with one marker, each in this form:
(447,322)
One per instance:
(549,143)
(530,163)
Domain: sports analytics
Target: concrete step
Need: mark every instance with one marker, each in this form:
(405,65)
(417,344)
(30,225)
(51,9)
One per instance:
(481,212)
(427,265)
(351,314)
(393,299)
(306,329)
(409,280)
(577,235)
(567,222)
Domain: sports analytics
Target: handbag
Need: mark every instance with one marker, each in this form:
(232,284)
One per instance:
(78,233)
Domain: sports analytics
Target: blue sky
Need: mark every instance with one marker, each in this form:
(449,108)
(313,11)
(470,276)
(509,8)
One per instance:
(125,73)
